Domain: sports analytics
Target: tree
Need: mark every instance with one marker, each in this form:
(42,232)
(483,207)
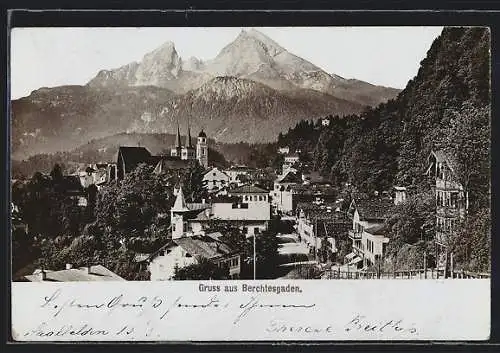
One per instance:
(468,140)
(203,270)
(266,251)
(471,243)
(56,173)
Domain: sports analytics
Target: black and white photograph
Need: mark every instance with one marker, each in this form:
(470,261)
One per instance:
(235,153)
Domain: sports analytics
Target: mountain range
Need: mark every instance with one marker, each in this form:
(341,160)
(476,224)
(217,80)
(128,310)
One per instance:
(252,90)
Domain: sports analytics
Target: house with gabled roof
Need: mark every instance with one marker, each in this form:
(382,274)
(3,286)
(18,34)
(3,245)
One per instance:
(215,179)
(368,234)
(189,250)
(452,200)
(282,194)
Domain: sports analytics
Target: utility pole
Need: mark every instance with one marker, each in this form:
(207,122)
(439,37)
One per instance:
(254,257)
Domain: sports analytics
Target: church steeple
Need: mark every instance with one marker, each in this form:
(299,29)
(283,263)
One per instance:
(188,144)
(178,138)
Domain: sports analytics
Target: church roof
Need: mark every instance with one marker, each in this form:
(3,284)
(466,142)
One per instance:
(133,156)
(166,162)
(202,134)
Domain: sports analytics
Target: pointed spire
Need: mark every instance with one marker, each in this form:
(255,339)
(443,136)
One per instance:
(180,202)
(188,144)
(178,138)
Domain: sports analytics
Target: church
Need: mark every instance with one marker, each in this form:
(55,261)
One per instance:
(129,157)
(188,151)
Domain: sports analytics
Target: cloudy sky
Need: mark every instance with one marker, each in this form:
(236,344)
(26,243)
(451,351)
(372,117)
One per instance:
(48,57)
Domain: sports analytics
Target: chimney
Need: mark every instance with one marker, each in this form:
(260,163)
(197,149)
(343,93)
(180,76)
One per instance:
(69,266)
(87,269)
(42,275)
(203,201)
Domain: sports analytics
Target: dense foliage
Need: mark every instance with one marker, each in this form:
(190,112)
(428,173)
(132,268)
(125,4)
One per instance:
(128,217)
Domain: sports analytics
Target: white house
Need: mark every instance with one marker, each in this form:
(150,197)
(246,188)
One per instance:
(248,206)
(284,150)
(399,194)
(282,193)
(368,232)
(188,250)
(290,161)
(215,179)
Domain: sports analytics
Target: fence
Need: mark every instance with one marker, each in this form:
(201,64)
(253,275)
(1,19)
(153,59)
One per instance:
(408,274)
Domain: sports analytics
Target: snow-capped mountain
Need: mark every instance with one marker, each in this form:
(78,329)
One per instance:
(252,55)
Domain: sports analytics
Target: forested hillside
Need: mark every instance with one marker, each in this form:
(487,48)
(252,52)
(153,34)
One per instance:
(445,106)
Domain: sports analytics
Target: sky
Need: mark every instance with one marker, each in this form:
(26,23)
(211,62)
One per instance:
(49,57)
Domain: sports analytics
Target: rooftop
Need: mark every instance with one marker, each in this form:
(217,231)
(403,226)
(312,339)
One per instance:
(379,229)
(378,208)
(248,189)
(96,273)
(207,246)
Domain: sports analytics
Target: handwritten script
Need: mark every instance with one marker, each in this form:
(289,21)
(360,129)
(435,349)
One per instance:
(64,315)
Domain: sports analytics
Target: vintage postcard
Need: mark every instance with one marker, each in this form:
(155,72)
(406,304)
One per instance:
(250,184)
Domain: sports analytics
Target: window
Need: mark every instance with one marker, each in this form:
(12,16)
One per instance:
(454,200)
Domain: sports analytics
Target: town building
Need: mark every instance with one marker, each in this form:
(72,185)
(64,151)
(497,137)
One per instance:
(215,179)
(189,250)
(246,207)
(290,161)
(97,174)
(325,122)
(321,227)
(400,194)
(368,232)
(284,150)
(282,193)
(69,274)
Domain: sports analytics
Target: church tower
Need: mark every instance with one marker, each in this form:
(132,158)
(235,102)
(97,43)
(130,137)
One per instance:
(177,149)
(177,215)
(188,151)
(202,149)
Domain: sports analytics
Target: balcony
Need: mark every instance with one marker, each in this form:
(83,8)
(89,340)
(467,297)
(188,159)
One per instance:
(354,234)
